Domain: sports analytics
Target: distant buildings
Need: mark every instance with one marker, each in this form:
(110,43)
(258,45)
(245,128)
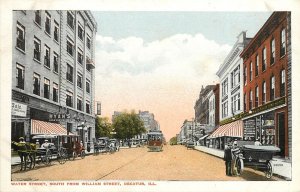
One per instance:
(53,79)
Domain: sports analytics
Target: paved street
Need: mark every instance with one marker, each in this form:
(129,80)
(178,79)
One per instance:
(175,163)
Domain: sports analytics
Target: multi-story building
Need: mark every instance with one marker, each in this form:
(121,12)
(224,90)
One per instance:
(267,98)
(53,79)
(202,105)
(230,97)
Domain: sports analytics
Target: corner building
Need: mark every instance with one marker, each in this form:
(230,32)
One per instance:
(267,60)
(53,79)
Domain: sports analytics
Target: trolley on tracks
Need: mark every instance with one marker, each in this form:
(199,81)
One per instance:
(257,157)
(155,141)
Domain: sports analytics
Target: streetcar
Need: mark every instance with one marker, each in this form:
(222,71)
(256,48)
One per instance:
(155,141)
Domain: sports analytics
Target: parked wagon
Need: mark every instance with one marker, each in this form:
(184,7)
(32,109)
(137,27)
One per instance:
(257,157)
(54,149)
(73,147)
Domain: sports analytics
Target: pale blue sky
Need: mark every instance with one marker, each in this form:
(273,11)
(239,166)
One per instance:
(221,27)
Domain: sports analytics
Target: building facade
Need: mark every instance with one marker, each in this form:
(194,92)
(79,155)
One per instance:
(230,95)
(202,105)
(53,77)
(266,95)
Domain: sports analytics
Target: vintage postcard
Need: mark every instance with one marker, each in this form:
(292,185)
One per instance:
(152,96)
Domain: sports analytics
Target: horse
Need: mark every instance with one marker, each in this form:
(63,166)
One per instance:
(27,154)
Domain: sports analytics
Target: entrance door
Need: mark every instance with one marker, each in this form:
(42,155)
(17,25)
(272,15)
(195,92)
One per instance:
(17,131)
(281,132)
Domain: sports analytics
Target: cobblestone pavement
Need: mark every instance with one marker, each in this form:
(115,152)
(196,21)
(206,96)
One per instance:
(175,163)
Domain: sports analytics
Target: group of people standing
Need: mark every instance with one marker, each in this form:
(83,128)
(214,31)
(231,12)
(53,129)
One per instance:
(229,157)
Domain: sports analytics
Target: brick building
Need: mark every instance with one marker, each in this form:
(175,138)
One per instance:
(53,81)
(266,75)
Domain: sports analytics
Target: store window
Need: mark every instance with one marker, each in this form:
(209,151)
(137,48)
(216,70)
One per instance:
(20,36)
(20,76)
(46,88)
(282,42)
(282,83)
(272,52)
(36,84)
(37,49)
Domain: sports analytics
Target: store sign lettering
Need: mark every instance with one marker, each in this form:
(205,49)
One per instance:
(59,116)
(18,109)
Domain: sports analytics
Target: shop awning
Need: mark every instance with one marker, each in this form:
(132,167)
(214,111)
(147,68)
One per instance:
(47,128)
(233,129)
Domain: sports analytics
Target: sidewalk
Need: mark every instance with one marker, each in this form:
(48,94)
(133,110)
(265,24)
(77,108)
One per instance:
(281,167)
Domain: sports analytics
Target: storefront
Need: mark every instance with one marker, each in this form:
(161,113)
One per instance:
(269,127)
(226,133)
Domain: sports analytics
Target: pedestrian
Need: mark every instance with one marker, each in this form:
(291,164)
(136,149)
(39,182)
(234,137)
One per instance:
(228,158)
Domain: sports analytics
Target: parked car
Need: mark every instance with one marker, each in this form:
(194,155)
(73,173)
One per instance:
(190,145)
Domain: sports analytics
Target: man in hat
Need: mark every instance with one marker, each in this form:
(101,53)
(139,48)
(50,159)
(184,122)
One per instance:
(21,140)
(227,158)
(37,144)
(45,145)
(257,142)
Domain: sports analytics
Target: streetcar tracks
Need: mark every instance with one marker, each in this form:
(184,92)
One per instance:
(138,157)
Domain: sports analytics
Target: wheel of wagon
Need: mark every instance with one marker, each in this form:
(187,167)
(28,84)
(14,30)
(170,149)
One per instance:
(82,154)
(61,157)
(269,170)
(239,166)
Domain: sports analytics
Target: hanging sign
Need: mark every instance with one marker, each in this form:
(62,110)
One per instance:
(18,109)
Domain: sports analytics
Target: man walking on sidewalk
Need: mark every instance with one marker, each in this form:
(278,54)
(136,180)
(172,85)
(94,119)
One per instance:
(228,158)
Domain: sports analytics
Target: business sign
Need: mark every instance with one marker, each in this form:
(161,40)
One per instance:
(59,116)
(18,109)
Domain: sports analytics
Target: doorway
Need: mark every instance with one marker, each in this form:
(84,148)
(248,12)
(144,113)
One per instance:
(281,132)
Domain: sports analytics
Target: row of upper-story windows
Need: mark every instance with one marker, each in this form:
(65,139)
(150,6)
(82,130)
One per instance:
(36,89)
(70,78)
(80,30)
(252,97)
(235,81)
(254,68)
(79,106)
(48,24)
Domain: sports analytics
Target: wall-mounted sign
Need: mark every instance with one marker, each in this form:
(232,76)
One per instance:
(18,109)
(59,116)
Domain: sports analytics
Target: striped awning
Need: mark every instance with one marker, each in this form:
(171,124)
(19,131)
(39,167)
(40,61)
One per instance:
(233,129)
(47,128)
